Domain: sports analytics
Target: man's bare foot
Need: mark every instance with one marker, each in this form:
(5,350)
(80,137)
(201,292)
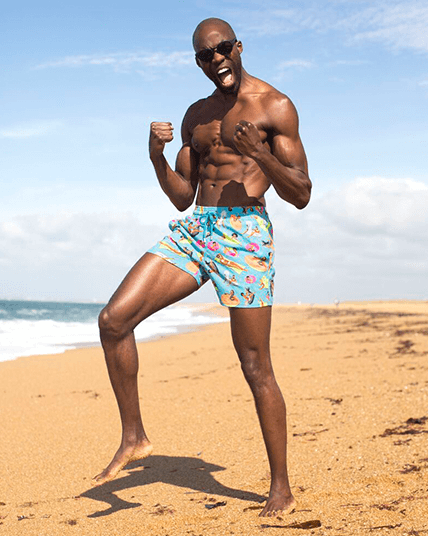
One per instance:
(278,504)
(122,457)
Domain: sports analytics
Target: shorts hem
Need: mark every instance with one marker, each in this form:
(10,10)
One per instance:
(255,306)
(199,283)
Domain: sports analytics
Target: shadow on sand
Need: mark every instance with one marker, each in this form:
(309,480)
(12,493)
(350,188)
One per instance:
(190,473)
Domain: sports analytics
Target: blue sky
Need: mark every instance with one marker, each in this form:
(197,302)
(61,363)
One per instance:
(81,83)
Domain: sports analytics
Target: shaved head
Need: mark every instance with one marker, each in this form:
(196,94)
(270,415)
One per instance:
(212,24)
(224,66)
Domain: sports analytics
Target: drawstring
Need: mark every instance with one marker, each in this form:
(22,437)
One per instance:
(208,220)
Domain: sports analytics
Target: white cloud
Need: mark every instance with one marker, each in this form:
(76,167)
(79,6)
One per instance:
(399,25)
(351,63)
(102,246)
(366,209)
(299,64)
(396,24)
(112,225)
(393,207)
(365,240)
(270,22)
(81,241)
(125,61)
(148,203)
(30,130)
(284,67)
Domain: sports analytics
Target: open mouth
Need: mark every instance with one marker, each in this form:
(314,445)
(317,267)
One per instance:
(225,75)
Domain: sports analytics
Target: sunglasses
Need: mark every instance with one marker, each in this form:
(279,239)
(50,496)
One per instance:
(224,48)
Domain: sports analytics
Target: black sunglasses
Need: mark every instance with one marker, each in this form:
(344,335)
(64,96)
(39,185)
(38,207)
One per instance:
(224,48)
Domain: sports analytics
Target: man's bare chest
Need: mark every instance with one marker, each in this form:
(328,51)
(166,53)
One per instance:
(217,129)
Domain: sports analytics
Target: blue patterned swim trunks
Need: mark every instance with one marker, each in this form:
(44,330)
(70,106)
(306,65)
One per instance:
(232,246)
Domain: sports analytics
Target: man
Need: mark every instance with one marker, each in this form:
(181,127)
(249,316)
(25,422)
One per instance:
(237,143)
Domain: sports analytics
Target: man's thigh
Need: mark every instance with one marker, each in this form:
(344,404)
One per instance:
(251,329)
(150,285)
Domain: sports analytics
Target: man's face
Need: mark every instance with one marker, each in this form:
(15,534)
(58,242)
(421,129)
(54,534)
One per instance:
(224,71)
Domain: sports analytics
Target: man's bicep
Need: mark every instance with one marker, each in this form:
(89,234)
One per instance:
(187,164)
(187,158)
(290,151)
(286,143)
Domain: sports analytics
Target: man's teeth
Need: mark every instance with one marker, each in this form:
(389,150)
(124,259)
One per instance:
(224,70)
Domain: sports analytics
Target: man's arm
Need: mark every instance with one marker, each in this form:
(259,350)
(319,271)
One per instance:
(286,166)
(179,185)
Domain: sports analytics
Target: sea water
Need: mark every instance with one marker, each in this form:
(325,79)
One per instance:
(35,328)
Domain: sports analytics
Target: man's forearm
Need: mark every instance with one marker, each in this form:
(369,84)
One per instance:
(178,190)
(292,184)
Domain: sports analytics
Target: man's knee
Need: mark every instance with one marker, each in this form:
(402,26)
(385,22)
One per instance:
(256,368)
(110,324)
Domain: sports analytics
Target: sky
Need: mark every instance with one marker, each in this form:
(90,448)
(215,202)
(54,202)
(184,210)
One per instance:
(81,82)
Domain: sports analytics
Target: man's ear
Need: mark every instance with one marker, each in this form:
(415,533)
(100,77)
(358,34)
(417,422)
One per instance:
(240,46)
(198,62)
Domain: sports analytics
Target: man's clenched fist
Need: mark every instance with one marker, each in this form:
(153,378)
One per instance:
(247,138)
(160,133)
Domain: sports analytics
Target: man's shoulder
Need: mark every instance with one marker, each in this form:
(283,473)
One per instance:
(272,96)
(196,107)
(193,112)
(269,96)
(277,108)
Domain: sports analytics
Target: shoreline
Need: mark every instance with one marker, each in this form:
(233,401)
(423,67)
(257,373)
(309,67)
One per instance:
(218,312)
(355,382)
(208,311)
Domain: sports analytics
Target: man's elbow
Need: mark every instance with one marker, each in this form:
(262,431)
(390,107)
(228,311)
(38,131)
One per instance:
(302,202)
(181,207)
(305,196)
(182,204)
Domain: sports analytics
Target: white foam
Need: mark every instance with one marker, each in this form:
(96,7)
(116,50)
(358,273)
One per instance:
(37,337)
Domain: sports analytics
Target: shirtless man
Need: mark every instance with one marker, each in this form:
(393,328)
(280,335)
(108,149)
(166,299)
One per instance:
(237,143)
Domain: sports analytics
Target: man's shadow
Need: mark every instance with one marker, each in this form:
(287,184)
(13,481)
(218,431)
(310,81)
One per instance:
(192,473)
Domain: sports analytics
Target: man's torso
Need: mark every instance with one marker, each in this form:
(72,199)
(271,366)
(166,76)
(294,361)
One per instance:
(226,177)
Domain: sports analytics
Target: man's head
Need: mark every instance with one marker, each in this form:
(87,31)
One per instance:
(222,64)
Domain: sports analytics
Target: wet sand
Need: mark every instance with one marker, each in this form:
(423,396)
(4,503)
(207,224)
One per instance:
(355,379)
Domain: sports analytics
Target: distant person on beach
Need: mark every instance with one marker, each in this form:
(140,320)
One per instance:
(236,143)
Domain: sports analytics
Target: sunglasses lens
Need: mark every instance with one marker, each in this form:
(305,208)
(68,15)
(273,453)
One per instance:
(205,55)
(225,48)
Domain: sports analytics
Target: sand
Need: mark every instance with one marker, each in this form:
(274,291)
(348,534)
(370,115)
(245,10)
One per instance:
(355,382)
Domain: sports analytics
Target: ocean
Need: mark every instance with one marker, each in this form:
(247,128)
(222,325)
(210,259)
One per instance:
(38,327)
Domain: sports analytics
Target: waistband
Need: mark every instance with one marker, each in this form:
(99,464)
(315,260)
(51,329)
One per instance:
(222,212)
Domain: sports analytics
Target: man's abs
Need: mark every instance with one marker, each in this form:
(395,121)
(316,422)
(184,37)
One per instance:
(237,183)
(233,189)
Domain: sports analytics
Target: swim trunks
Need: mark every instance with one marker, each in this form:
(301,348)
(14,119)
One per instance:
(232,246)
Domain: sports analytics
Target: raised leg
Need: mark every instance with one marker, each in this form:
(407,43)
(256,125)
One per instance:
(151,285)
(251,335)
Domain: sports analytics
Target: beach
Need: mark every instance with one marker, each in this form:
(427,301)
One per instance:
(355,380)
